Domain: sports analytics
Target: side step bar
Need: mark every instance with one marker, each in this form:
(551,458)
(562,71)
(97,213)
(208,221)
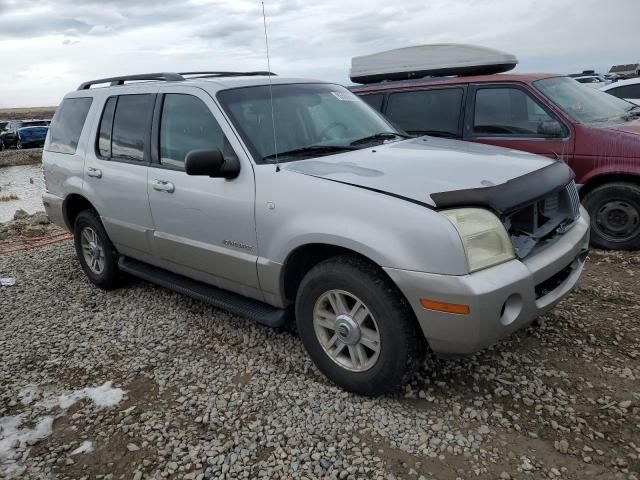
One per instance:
(232,302)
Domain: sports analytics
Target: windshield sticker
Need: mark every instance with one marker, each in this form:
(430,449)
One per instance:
(345,96)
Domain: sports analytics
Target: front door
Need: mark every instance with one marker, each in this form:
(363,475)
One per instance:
(509,116)
(204,227)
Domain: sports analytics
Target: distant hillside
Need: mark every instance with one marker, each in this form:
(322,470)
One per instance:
(26,113)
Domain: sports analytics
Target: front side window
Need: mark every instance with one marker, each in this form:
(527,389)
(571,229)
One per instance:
(187,124)
(507,111)
(435,112)
(131,122)
(583,104)
(66,126)
(310,120)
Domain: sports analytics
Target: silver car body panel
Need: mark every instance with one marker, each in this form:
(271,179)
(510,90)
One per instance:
(238,234)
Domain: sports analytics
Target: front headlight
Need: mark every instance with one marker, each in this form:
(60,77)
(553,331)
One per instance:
(485,240)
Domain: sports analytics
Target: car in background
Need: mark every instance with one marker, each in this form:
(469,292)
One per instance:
(628,90)
(596,134)
(595,81)
(24,134)
(629,70)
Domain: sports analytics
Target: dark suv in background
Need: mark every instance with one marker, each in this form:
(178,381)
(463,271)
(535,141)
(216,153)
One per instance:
(597,134)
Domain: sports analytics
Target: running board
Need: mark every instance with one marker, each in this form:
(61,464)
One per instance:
(223,299)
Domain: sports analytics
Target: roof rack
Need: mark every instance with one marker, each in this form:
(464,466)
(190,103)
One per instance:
(165,77)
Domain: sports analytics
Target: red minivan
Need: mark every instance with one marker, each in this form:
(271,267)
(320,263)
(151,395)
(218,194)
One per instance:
(597,134)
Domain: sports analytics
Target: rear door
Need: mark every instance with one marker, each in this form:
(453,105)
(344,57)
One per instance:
(116,170)
(508,115)
(204,227)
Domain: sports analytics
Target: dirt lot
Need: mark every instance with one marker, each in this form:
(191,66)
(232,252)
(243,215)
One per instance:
(210,395)
(26,113)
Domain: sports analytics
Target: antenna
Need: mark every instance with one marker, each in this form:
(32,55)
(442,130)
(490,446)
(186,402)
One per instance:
(273,117)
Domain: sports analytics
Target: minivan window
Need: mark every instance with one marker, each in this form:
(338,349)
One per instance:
(66,125)
(187,124)
(374,99)
(507,111)
(426,111)
(106,124)
(310,120)
(582,104)
(131,123)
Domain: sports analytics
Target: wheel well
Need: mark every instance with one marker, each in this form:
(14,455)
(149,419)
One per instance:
(303,259)
(595,182)
(73,205)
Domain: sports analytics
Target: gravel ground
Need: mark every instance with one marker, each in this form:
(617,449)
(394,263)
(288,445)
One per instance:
(210,395)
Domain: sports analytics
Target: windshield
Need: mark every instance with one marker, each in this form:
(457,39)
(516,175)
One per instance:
(583,104)
(310,119)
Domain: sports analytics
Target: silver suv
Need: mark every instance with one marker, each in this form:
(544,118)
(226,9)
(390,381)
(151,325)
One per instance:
(282,198)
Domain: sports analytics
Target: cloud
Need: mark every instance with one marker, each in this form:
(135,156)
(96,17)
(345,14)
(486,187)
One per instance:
(102,38)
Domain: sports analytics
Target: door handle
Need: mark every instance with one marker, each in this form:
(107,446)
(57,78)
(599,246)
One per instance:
(163,186)
(94,172)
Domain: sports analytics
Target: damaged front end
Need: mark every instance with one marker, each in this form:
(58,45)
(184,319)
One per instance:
(534,208)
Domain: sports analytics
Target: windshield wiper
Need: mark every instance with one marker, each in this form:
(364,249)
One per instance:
(379,136)
(311,149)
(433,133)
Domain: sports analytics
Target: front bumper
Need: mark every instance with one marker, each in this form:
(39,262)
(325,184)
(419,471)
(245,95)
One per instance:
(502,299)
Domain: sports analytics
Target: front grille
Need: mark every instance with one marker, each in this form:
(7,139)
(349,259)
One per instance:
(543,220)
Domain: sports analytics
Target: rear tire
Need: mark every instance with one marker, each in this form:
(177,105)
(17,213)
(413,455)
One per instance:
(96,253)
(615,216)
(368,341)
(19,145)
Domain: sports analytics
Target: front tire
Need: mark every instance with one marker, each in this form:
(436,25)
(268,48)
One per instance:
(357,327)
(615,216)
(98,258)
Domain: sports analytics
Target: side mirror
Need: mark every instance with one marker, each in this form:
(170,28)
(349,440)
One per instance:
(550,129)
(211,163)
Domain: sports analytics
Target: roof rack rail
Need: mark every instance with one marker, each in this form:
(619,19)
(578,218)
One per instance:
(113,81)
(166,77)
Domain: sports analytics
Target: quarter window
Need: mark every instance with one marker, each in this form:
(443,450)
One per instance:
(67,123)
(426,111)
(187,124)
(507,111)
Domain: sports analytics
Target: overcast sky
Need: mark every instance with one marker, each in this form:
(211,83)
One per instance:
(47,47)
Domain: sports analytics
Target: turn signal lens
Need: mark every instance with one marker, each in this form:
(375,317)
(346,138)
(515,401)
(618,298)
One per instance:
(456,308)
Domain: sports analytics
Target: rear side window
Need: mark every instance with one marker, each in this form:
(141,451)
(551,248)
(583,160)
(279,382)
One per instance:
(131,123)
(626,91)
(187,124)
(67,124)
(426,111)
(374,99)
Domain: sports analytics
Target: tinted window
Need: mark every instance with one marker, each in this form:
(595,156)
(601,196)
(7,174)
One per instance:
(131,126)
(187,124)
(426,110)
(507,111)
(374,99)
(67,124)
(626,91)
(106,123)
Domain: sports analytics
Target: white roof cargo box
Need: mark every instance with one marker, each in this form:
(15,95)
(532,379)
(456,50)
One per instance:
(429,60)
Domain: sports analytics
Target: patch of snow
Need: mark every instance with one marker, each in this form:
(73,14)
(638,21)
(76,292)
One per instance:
(85,447)
(103,396)
(12,437)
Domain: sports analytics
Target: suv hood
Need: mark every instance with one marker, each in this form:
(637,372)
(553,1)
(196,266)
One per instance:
(424,169)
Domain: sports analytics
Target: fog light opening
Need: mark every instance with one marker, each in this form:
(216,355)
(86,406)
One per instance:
(511,309)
